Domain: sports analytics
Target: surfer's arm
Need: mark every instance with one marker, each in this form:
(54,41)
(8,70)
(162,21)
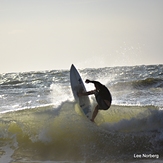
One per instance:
(86,93)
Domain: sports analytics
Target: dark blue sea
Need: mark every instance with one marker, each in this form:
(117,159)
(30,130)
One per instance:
(41,123)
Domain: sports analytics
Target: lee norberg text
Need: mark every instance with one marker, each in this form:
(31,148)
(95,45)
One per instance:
(152,156)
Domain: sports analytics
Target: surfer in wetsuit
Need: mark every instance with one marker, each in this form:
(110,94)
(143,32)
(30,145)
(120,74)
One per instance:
(102,95)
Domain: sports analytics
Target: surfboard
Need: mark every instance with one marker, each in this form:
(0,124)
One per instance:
(77,85)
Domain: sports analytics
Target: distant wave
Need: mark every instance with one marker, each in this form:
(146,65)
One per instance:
(140,84)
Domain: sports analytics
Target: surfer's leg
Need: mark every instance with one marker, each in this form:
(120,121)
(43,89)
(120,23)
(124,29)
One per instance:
(95,113)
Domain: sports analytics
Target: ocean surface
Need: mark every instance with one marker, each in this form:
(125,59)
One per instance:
(41,123)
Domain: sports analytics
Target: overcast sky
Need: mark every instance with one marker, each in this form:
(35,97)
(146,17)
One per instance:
(53,34)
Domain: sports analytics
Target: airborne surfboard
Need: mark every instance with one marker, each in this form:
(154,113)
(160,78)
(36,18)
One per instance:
(77,85)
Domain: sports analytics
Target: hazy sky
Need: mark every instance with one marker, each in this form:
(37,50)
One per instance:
(53,34)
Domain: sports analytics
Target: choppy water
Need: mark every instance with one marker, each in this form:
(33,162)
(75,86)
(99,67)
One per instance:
(40,122)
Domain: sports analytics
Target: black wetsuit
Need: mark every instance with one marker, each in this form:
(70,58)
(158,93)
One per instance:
(101,95)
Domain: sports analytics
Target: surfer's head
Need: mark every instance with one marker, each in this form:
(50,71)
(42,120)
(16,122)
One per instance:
(97,84)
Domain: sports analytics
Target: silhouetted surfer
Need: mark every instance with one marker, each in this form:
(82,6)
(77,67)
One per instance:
(102,95)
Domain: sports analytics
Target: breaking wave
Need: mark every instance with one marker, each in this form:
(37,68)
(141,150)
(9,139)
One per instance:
(48,133)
